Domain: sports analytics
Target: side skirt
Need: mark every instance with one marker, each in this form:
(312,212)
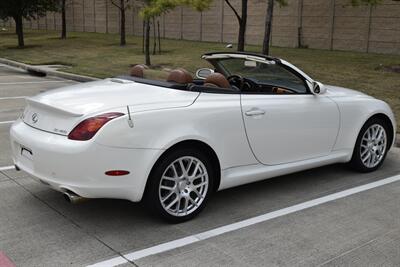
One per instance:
(252,173)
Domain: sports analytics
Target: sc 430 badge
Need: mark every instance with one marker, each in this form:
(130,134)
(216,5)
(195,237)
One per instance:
(60,131)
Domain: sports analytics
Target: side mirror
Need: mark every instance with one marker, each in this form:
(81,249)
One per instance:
(318,88)
(204,73)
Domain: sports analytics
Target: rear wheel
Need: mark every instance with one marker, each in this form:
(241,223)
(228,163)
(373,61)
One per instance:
(372,146)
(180,185)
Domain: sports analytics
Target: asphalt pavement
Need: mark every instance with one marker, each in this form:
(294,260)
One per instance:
(351,227)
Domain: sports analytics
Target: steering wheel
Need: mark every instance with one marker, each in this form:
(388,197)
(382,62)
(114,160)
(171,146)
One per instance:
(249,84)
(236,80)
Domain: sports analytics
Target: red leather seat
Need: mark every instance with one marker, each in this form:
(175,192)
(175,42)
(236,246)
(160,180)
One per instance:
(181,76)
(217,80)
(137,71)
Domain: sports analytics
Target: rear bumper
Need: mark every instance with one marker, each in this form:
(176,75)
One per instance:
(80,167)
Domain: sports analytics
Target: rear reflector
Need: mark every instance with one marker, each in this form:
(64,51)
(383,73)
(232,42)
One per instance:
(117,173)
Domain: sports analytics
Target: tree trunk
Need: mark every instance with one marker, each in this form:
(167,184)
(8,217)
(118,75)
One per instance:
(154,37)
(19,30)
(143,34)
(63,21)
(122,31)
(159,37)
(268,27)
(147,42)
(242,27)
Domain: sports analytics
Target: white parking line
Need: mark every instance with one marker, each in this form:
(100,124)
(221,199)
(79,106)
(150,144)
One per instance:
(239,225)
(16,83)
(6,122)
(12,97)
(6,168)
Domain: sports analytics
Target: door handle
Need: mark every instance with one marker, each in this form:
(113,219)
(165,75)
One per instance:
(255,112)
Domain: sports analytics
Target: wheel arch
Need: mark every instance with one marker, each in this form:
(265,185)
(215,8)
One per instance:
(378,115)
(385,118)
(192,143)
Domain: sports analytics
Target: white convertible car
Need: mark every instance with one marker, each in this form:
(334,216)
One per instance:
(176,142)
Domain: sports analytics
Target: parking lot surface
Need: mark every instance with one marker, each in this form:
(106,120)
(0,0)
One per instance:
(39,228)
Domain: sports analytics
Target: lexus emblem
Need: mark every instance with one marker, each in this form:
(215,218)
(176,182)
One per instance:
(35,117)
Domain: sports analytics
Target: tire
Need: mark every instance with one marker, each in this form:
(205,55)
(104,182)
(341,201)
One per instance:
(374,139)
(175,195)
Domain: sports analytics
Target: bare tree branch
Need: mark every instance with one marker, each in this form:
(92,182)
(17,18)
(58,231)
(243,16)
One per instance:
(114,4)
(234,10)
(119,7)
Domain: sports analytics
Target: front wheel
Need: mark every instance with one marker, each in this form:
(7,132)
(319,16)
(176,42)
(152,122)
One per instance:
(371,147)
(180,185)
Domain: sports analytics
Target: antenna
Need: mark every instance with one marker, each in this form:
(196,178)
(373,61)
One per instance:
(130,121)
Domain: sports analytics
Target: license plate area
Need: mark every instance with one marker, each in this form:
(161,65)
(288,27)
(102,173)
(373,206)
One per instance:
(24,157)
(26,153)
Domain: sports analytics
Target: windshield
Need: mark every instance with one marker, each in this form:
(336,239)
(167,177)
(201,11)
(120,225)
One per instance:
(269,73)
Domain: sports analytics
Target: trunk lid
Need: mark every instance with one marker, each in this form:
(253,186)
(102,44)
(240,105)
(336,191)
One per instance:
(58,111)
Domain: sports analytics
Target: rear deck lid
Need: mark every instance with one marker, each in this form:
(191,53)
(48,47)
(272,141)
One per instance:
(49,118)
(59,111)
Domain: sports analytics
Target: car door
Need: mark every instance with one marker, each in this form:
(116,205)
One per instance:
(284,121)
(289,128)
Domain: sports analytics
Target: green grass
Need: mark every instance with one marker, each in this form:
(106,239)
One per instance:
(99,55)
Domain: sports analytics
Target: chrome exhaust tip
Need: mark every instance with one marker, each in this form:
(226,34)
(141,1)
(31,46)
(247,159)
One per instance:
(73,198)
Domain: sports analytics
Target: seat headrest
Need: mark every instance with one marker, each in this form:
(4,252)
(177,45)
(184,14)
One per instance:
(180,76)
(137,71)
(217,80)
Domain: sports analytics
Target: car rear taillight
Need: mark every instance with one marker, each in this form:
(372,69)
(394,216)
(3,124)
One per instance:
(86,129)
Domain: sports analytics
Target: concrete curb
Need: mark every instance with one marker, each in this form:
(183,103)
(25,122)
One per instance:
(47,71)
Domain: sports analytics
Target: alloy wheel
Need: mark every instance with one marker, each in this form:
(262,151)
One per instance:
(373,146)
(183,186)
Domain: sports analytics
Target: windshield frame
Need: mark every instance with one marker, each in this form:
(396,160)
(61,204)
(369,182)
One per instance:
(216,58)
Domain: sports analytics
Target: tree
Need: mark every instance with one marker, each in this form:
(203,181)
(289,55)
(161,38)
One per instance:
(24,9)
(147,42)
(268,24)
(63,7)
(242,20)
(155,8)
(122,5)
